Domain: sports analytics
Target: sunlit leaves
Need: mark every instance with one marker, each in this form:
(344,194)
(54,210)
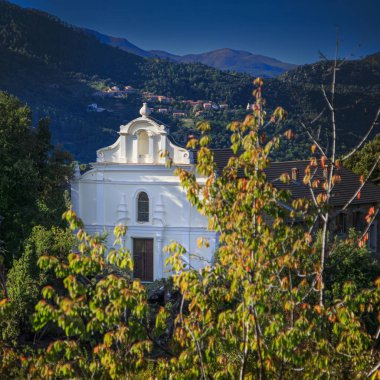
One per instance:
(259,296)
(280,114)
(99,299)
(289,134)
(258,82)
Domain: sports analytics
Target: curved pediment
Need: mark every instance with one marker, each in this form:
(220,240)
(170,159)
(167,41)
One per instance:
(142,123)
(141,141)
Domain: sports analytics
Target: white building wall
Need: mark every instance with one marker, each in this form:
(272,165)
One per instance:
(107,195)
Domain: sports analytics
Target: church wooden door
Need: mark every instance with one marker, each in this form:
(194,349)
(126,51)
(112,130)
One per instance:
(143,259)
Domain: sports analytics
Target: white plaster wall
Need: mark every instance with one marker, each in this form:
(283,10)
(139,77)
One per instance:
(107,195)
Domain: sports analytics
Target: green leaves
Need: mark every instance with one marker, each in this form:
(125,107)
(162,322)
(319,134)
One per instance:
(100,305)
(254,312)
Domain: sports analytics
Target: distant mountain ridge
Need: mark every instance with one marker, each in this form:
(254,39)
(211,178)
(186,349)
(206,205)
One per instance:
(222,59)
(57,68)
(240,61)
(121,43)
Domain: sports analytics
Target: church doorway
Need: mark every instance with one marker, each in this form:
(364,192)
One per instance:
(143,259)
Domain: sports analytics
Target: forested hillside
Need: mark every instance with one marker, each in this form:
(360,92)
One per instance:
(300,93)
(56,68)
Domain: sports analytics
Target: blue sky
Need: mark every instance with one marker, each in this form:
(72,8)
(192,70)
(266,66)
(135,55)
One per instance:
(290,30)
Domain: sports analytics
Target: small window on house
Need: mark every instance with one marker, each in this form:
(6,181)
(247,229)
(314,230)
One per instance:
(143,207)
(357,220)
(372,237)
(143,143)
(341,223)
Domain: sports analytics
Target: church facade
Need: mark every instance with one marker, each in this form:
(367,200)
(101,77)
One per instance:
(130,185)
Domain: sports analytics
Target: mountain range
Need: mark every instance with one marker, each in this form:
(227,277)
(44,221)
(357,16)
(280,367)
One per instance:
(222,59)
(56,68)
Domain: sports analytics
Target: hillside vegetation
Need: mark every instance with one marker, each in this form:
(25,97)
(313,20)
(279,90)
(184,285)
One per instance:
(357,99)
(56,68)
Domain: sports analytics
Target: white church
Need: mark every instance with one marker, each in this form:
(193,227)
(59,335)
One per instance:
(130,185)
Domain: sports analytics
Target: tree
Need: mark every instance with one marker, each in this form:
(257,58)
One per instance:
(255,312)
(363,160)
(325,157)
(349,262)
(33,175)
(25,280)
(103,315)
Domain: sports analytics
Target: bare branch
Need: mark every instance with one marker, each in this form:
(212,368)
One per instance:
(318,116)
(373,370)
(322,56)
(365,136)
(313,224)
(351,54)
(326,98)
(313,139)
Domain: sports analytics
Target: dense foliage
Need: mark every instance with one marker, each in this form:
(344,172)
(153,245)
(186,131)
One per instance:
(25,281)
(349,261)
(33,194)
(33,175)
(362,161)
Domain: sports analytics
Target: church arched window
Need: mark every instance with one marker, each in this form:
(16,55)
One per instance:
(143,143)
(143,207)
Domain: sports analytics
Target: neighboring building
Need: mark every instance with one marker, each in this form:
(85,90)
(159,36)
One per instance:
(153,98)
(164,99)
(341,221)
(163,110)
(130,184)
(207,106)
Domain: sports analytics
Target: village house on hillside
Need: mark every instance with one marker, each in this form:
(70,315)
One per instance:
(179,114)
(130,184)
